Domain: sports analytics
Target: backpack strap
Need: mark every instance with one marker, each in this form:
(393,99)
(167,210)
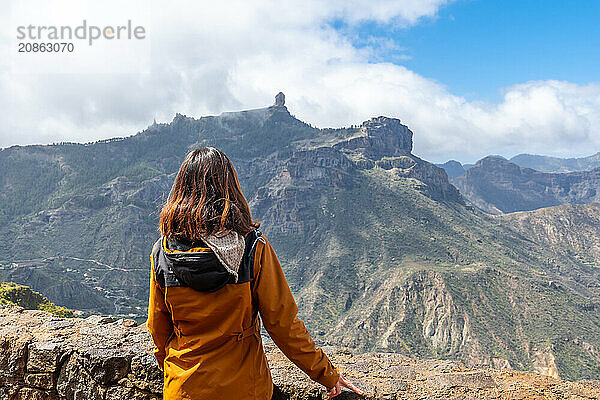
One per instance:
(246,272)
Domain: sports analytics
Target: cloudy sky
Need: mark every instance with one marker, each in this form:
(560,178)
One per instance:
(469,77)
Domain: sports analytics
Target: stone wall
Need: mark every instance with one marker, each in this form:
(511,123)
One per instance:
(99,358)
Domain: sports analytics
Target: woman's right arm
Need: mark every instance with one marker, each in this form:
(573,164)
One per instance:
(278,312)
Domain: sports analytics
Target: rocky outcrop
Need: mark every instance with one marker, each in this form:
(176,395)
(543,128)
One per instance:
(101,358)
(48,358)
(545,363)
(280,99)
(386,143)
(379,137)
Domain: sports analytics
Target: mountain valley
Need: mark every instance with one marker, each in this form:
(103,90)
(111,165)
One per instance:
(381,250)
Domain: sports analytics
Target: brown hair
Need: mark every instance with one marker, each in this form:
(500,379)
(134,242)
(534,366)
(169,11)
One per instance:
(206,198)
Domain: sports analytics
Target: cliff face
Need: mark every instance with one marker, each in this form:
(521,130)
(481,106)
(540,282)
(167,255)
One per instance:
(282,203)
(379,137)
(100,358)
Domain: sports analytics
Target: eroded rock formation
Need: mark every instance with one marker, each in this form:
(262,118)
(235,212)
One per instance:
(280,99)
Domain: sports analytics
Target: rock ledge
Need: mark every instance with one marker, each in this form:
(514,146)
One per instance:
(44,357)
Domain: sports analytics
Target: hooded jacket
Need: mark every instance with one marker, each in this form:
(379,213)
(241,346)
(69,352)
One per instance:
(204,322)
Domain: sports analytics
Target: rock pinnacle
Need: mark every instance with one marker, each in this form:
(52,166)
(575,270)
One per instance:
(280,99)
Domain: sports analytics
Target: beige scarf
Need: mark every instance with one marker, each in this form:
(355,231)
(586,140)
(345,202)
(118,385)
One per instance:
(229,249)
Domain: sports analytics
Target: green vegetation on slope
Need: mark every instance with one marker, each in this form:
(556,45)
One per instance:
(15,294)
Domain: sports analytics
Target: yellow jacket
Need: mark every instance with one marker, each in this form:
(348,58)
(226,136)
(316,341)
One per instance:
(208,339)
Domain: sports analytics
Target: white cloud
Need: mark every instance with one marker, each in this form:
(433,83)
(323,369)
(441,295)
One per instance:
(214,57)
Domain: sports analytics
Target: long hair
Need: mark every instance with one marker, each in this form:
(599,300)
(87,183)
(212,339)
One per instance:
(206,198)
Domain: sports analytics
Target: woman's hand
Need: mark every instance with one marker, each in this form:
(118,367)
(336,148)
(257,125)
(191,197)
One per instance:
(342,382)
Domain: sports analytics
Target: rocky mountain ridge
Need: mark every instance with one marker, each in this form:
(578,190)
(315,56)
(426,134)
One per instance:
(556,164)
(497,186)
(534,161)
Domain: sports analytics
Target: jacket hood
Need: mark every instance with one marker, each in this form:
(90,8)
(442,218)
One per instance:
(205,265)
(229,249)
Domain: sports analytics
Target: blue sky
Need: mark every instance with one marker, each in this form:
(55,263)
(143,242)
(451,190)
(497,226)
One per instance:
(468,77)
(477,47)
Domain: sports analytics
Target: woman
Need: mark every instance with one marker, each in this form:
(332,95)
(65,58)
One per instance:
(212,274)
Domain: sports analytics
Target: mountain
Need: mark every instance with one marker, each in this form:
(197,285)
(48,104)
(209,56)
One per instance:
(556,164)
(497,186)
(540,163)
(381,251)
(453,168)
